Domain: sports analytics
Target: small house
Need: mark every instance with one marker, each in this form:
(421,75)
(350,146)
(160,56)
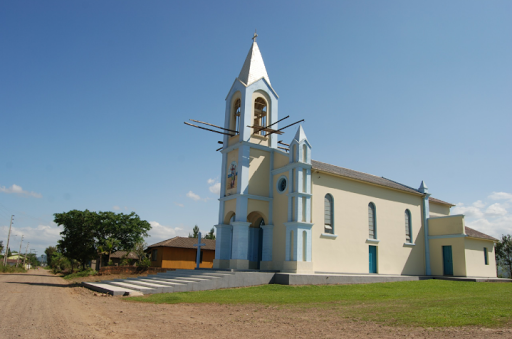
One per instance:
(180,253)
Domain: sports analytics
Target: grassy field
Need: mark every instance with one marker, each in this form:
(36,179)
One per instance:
(428,303)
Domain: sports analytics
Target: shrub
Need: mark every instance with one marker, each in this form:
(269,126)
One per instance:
(84,273)
(11,269)
(144,262)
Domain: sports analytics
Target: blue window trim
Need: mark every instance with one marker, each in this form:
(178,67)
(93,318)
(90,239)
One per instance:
(374,211)
(409,226)
(332,213)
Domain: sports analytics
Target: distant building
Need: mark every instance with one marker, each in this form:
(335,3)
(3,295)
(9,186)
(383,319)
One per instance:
(118,257)
(180,253)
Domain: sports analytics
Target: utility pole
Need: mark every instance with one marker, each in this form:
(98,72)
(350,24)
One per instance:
(7,248)
(26,249)
(18,259)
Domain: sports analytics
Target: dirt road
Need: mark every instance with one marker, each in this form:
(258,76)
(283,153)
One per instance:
(40,305)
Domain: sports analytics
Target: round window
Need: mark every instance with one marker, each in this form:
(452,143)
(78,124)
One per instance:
(281,185)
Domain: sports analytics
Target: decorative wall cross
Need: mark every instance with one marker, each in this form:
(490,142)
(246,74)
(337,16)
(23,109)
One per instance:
(198,245)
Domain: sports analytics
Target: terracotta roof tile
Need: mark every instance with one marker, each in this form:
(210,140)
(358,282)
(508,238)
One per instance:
(476,234)
(439,201)
(120,254)
(182,242)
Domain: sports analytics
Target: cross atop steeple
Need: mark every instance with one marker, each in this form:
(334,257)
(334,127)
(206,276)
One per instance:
(255,36)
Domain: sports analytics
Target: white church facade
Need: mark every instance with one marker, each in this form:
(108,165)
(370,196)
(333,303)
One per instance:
(280,210)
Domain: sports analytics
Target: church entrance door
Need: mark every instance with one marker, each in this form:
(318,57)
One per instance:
(255,244)
(447,260)
(372,253)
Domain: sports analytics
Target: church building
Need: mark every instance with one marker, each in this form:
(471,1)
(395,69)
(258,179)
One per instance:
(280,210)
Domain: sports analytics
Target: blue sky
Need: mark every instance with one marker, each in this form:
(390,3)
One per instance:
(94,94)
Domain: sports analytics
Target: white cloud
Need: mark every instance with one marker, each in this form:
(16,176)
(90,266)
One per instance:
(495,210)
(160,232)
(116,208)
(494,220)
(215,188)
(39,237)
(469,211)
(479,204)
(19,191)
(180,205)
(193,196)
(501,196)
(211,181)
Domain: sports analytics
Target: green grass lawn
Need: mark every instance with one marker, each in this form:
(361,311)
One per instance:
(428,303)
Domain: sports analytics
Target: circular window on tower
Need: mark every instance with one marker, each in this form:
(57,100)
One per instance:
(281,184)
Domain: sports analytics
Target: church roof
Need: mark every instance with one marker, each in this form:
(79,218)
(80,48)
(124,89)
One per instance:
(373,179)
(182,242)
(254,67)
(475,234)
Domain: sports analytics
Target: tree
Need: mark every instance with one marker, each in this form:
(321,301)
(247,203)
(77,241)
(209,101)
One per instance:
(49,254)
(1,246)
(140,250)
(86,233)
(78,236)
(195,231)
(210,234)
(504,253)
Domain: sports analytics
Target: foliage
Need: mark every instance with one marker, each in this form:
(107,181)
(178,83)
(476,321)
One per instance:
(1,246)
(126,262)
(504,253)
(60,263)
(87,234)
(49,254)
(140,250)
(429,303)
(144,262)
(195,232)
(11,269)
(84,273)
(32,260)
(211,234)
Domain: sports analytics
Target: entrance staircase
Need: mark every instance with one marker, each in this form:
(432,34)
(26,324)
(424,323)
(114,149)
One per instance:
(181,281)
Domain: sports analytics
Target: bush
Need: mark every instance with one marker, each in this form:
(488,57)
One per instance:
(84,273)
(126,262)
(144,262)
(11,269)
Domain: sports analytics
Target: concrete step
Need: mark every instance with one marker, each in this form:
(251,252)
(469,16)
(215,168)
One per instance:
(159,288)
(197,276)
(135,287)
(111,289)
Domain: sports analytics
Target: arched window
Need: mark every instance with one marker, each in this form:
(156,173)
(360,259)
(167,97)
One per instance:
(304,153)
(237,110)
(328,214)
(260,115)
(372,223)
(408,228)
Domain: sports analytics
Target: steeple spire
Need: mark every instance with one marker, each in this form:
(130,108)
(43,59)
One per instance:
(254,67)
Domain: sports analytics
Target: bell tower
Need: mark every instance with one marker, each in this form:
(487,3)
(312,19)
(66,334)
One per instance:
(245,211)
